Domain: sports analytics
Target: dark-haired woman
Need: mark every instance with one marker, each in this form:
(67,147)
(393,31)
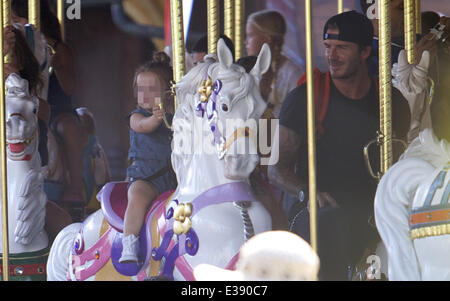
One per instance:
(64,120)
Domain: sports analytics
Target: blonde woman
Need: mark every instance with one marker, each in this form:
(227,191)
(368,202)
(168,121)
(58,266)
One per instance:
(269,27)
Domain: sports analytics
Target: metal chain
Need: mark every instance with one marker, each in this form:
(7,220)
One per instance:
(249,231)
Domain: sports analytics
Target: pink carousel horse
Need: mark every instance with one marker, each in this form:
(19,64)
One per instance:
(212,212)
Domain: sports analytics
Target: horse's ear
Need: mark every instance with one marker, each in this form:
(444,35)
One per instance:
(224,54)
(263,62)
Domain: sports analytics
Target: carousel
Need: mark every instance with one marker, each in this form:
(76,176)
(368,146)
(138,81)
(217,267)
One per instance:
(214,209)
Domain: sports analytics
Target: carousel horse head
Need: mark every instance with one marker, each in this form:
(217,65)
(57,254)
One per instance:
(21,119)
(228,103)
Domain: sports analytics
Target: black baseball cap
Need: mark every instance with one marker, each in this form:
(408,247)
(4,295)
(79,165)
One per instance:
(353,27)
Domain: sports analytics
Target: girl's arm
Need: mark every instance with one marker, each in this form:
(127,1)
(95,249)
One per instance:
(145,125)
(63,64)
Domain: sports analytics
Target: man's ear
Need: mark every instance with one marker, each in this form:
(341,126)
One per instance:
(365,52)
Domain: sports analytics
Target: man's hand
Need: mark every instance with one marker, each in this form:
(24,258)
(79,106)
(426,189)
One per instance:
(324,199)
(429,43)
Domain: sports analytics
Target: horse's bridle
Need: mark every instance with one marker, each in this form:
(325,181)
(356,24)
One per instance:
(208,98)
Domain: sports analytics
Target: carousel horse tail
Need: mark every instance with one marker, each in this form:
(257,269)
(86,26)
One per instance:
(58,259)
(393,200)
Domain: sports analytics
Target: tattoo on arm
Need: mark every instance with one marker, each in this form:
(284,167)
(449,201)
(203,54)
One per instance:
(283,174)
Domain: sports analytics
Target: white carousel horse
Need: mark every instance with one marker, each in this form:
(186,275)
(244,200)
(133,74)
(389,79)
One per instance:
(412,211)
(26,198)
(412,203)
(213,210)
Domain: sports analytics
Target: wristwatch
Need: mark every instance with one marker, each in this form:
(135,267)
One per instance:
(302,195)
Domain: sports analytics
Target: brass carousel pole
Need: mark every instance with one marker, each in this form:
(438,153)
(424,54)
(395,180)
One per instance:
(239,15)
(228,19)
(418,17)
(178,60)
(60,15)
(385,81)
(34,10)
(213,25)
(340,6)
(6,20)
(410,30)
(311,125)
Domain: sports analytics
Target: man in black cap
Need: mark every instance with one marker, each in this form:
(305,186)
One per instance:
(347,118)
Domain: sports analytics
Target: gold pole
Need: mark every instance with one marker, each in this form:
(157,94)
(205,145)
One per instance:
(60,15)
(5,15)
(176,24)
(410,30)
(385,85)
(34,10)
(239,24)
(228,16)
(340,6)
(418,17)
(311,125)
(213,25)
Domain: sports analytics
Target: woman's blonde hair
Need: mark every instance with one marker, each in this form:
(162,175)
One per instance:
(273,24)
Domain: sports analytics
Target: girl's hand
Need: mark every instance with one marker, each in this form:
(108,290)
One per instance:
(158,112)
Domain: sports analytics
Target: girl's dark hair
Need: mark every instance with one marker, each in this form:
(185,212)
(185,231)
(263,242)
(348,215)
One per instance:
(27,63)
(49,22)
(160,65)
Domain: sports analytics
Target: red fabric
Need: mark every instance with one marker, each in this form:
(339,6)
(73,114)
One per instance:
(321,97)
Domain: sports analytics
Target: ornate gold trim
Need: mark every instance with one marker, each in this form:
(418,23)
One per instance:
(430,231)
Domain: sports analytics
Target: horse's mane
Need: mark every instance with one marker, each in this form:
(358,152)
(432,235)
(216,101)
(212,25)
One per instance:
(247,84)
(189,83)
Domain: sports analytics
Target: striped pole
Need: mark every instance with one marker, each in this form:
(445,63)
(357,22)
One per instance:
(418,17)
(213,25)
(410,30)
(34,11)
(60,15)
(176,25)
(385,79)
(311,125)
(6,20)
(340,6)
(228,19)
